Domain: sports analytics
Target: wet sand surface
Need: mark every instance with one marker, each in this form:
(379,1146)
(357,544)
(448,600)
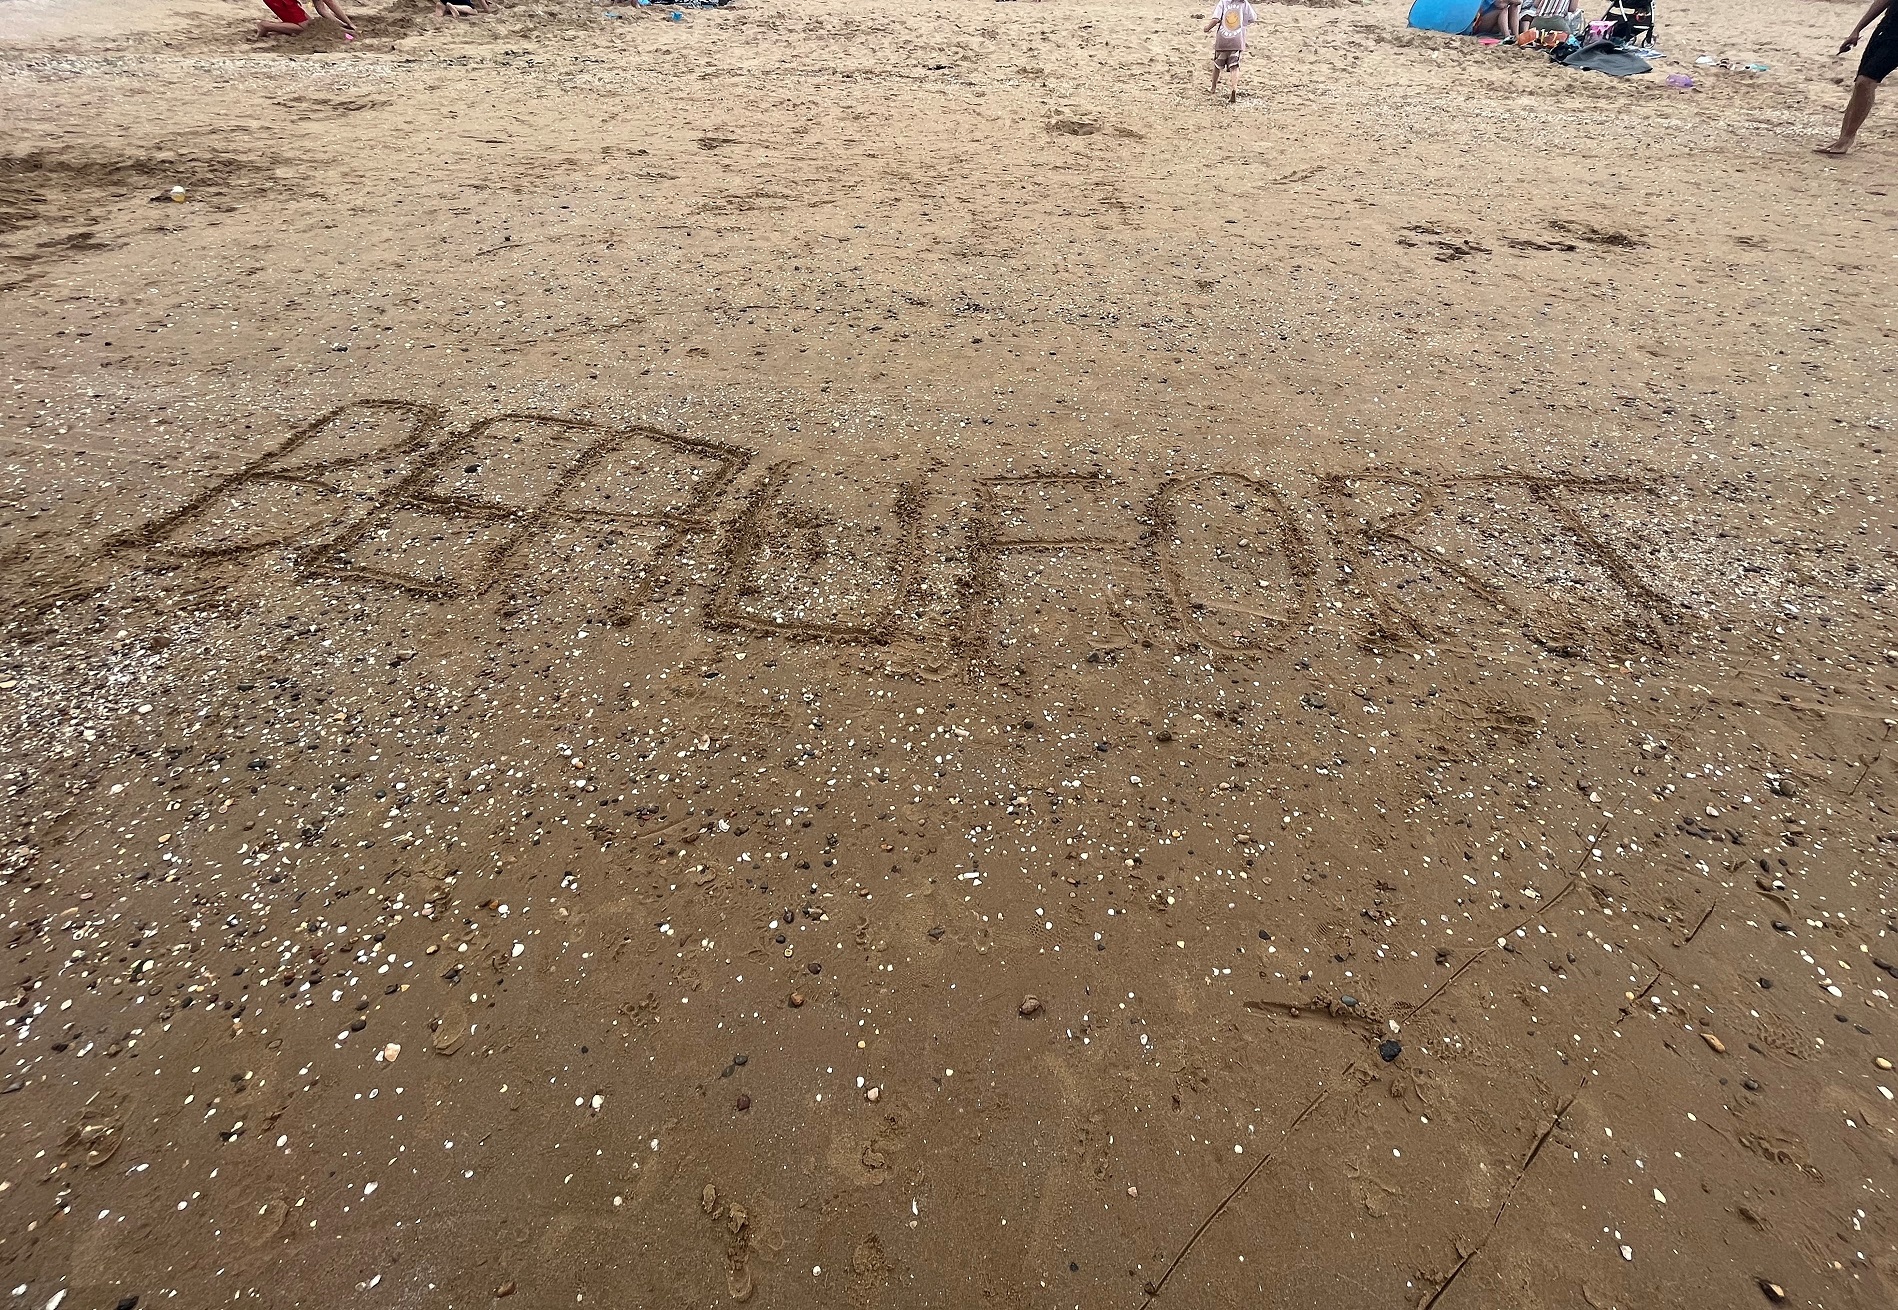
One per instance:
(863,654)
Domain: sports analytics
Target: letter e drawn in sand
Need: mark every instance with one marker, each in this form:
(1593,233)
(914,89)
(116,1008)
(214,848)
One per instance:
(513,483)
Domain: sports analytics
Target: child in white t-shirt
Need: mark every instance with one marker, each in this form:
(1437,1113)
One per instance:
(1228,21)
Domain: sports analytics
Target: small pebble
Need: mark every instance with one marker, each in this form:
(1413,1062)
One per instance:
(505,1289)
(1881,1062)
(797,999)
(1718,1046)
(874,1095)
(744,1101)
(815,967)
(1390,1050)
(1132,1190)
(741,1060)
(1774,1292)
(1351,1001)
(1029,1008)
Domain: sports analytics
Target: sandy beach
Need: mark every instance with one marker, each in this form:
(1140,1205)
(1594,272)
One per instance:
(872,654)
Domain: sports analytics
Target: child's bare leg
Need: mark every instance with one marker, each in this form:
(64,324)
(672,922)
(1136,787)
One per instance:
(280,29)
(1232,80)
(335,11)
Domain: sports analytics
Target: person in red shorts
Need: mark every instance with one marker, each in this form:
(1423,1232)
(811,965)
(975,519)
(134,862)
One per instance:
(292,18)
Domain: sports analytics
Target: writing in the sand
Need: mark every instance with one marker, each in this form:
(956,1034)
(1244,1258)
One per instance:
(623,525)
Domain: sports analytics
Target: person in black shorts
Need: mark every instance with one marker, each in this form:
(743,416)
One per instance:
(1878,62)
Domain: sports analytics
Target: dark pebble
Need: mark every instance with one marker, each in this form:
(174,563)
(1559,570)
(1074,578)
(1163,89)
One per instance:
(1351,1001)
(1264,936)
(1389,1051)
(741,1060)
(1750,1084)
(1781,926)
(1841,1018)
(1861,1029)
(935,934)
(1073,1268)
(815,967)
(1767,983)
(361,1006)
(780,939)
(1163,736)
(744,1102)
(358,1025)
(726,1072)
(127,1303)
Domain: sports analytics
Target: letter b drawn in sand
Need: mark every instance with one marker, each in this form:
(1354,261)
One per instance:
(325,477)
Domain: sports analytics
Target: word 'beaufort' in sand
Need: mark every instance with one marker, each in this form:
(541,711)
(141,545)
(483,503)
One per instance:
(617,519)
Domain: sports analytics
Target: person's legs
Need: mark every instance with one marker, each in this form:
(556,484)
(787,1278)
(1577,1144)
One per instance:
(280,29)
(1857,109)
(335,11)
(1232,80)
(1512,17)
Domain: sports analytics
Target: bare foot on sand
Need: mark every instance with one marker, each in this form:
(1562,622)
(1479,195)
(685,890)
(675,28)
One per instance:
(1833,148)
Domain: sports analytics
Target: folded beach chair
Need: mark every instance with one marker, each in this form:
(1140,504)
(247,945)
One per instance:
(1633,20)
(1554,16)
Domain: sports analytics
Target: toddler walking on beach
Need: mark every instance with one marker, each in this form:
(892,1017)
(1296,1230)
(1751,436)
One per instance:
(1228,22)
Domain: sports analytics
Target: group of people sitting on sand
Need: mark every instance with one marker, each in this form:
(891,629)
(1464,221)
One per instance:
(291,17)
(1508,20)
